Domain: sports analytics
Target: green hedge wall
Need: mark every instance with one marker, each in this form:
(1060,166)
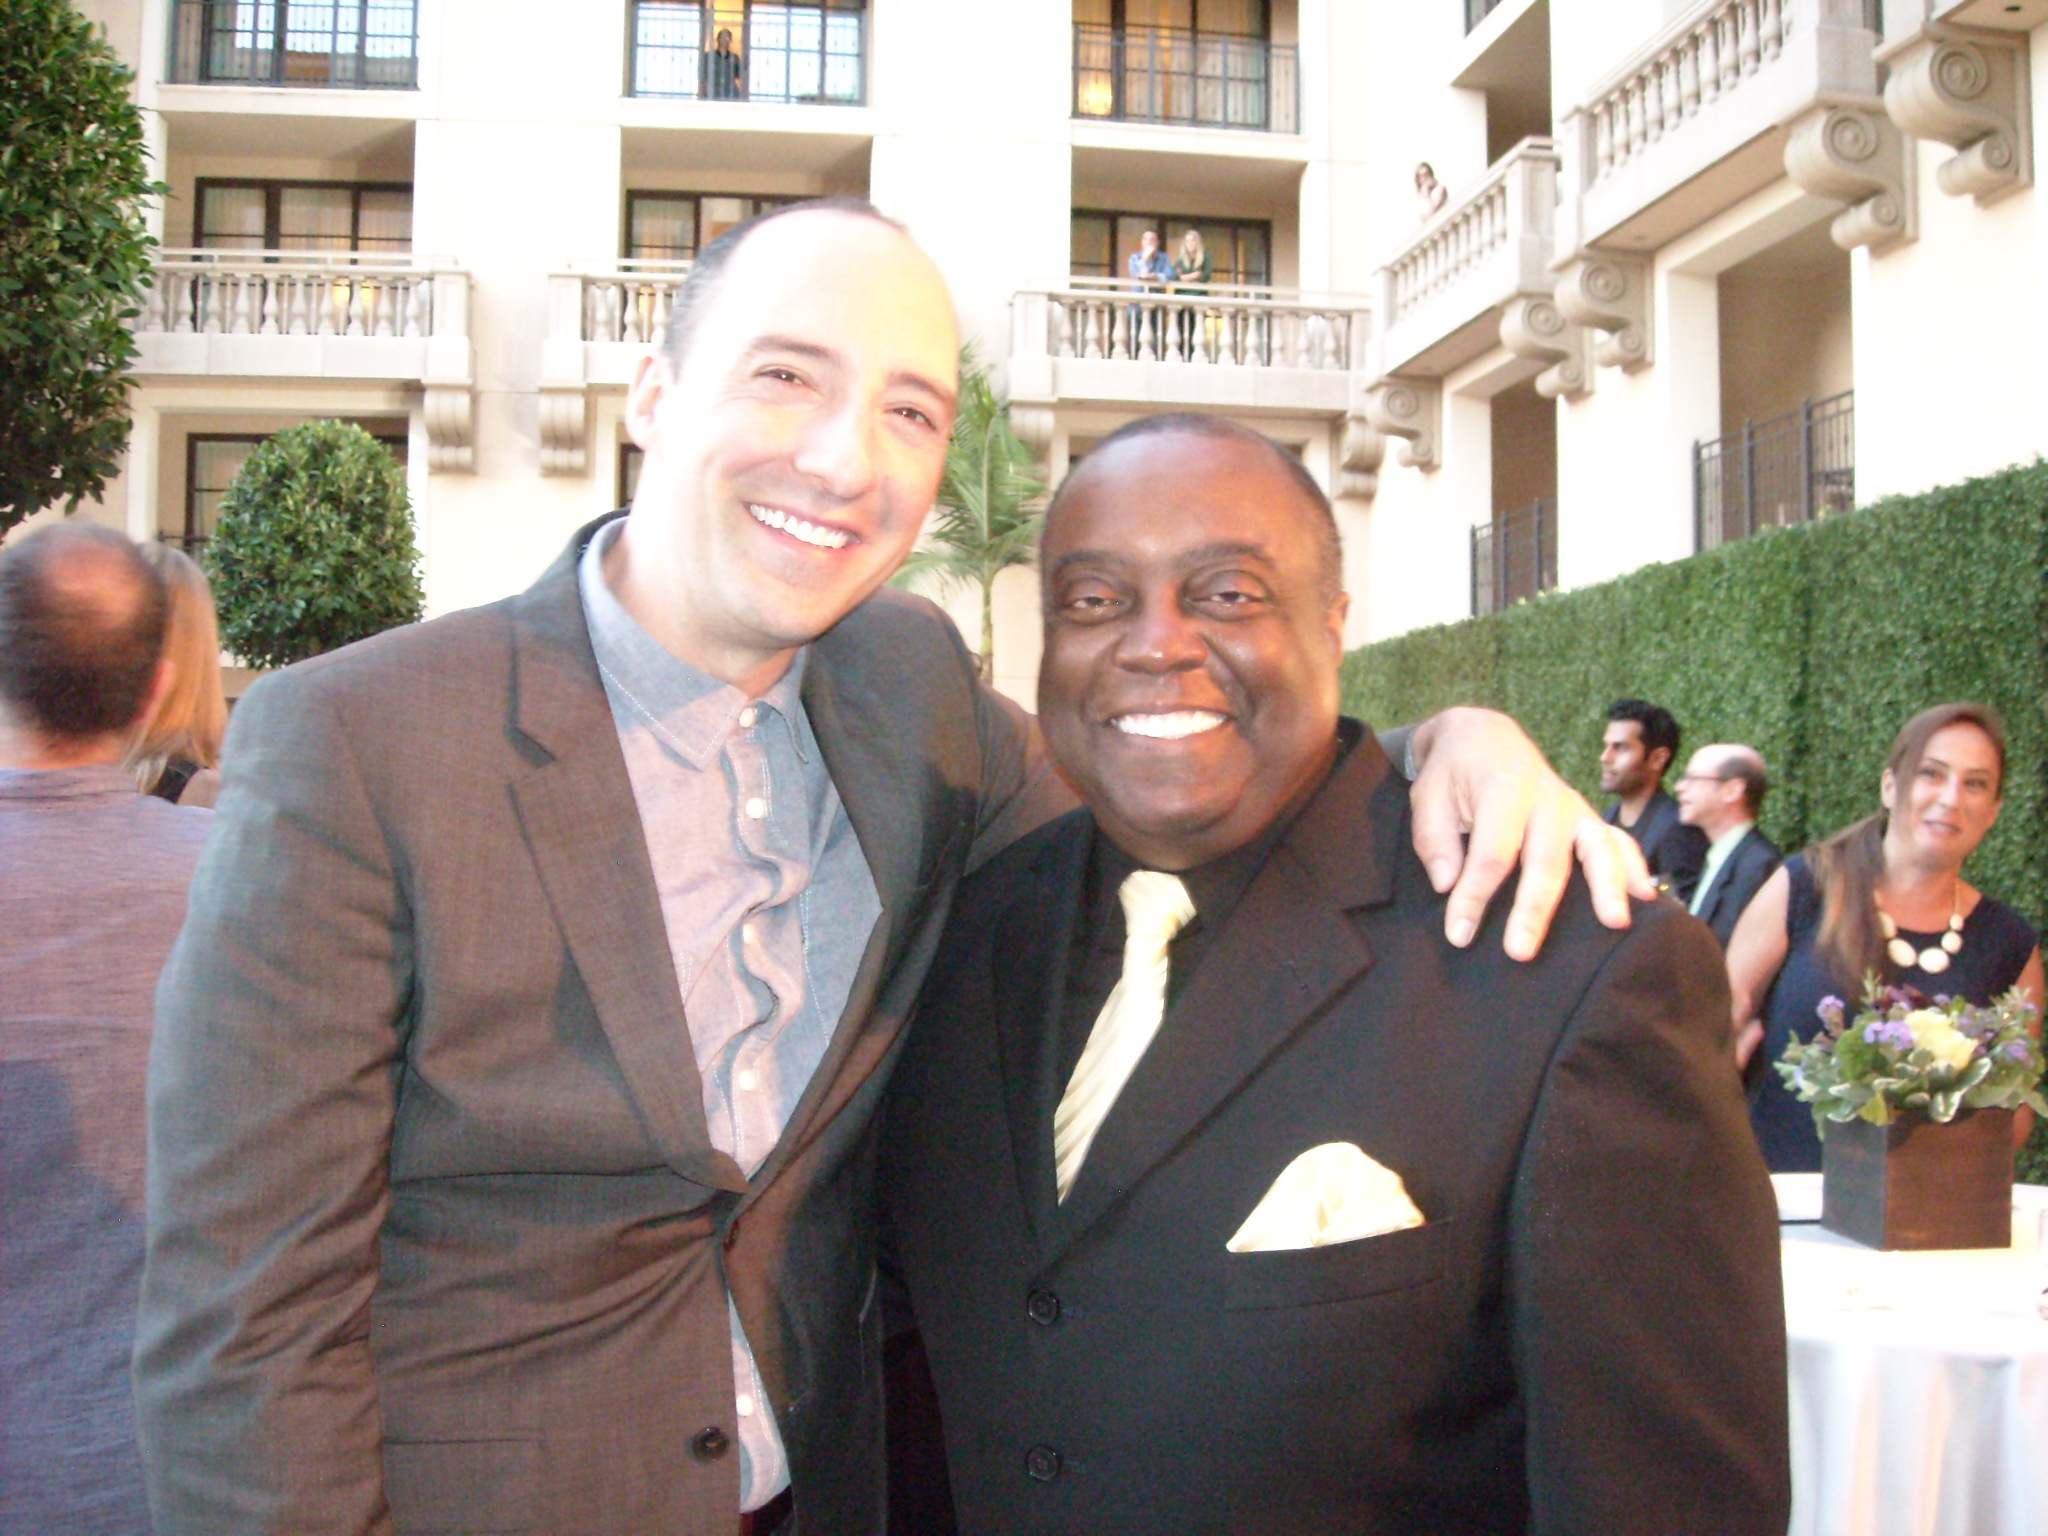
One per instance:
(1813,644)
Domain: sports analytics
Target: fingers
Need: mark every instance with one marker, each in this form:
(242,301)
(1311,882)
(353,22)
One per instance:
(1498,829)
(1438,823)
(1614,869)
(1547,848)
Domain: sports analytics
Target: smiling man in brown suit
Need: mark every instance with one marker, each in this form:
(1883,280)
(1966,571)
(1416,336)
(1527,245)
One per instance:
(513,1095)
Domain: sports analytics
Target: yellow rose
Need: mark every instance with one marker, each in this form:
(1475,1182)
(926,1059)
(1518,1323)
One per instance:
(1936,1035)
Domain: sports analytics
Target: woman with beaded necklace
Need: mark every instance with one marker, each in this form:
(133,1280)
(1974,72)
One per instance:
(1885,894)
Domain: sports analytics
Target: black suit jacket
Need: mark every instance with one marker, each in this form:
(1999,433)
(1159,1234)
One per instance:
(1749,864)
(438,1240)
(1586,1335)
(1674,851)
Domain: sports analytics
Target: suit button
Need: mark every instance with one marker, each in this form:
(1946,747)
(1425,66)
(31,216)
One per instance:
(710,1444)
(1044,1308)
(1042,1462)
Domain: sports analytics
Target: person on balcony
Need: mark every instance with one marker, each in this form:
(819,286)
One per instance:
(725,72)
(1151,268)
(1193,269)
(1430,194)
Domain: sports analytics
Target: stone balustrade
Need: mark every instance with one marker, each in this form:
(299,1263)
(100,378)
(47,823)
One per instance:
(288,293)
(630,303)
(1224,326)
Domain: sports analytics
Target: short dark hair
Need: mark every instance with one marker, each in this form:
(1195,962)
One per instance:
(1329,541)
(1659,729)
(82,618)
(701,283)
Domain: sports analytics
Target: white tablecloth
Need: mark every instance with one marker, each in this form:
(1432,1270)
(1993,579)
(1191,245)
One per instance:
(1919,1383)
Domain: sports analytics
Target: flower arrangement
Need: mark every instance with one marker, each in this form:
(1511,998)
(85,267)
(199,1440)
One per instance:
(1905,1051)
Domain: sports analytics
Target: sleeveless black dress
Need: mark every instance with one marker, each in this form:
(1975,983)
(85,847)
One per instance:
(1996,945)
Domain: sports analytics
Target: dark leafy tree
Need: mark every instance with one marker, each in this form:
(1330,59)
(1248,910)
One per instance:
(74,255)
(989,507)
(314,548)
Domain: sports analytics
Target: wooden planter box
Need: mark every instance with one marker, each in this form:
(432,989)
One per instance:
(1917,1184)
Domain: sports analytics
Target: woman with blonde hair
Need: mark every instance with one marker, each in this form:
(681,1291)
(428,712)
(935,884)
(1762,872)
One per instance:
(1193,270)
(177,750)
(1883,896)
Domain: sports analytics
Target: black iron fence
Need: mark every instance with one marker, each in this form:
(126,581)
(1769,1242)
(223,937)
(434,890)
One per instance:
(1202,79)
(783,53)
(363,45)
(1514,557)
(1774,473)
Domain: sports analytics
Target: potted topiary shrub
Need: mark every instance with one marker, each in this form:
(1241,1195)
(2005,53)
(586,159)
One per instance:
(314,548)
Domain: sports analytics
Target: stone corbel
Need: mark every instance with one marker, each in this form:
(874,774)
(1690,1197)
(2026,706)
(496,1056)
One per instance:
(564,431)
(1846,148)
(1532,326)
(1610,295)
(1410,409)
(1967,89)
(450,413)
(1359,458)
(1033,424)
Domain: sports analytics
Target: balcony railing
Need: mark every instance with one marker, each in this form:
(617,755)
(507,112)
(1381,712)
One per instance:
(629,302)
(362,45)
(1721,74)
(1514,557)
(1198,79)
(1774,473)
(1492,244)
(290,293)
(1222,327)
(789,54)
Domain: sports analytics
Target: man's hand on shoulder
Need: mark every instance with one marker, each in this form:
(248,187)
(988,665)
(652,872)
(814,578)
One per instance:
(1484,800)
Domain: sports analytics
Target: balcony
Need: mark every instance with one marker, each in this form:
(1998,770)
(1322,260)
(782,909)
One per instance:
(1110,341)
(316,316)
(358,45)
(1514,557)
(1698,117)
(1444,294)
(790,54)
(601,322)
(1194,79)
(1777,472)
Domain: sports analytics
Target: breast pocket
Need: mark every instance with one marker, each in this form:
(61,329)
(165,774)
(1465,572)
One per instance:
(1366,1266)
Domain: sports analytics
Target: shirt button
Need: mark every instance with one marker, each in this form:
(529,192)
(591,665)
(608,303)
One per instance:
(748,933)
(745,1404)
(748,1079)
(755,807)
(1042,1462)
(748,716)
(1044,1308)
(710,1444)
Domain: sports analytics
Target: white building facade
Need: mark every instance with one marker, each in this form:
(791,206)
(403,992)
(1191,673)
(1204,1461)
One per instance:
(1698,269)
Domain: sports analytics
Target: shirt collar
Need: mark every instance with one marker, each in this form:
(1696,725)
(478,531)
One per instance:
(691,711)
(1724,845)
(97,781)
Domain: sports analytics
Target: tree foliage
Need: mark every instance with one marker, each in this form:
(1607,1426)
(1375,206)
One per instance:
(74,254)
(314,548)
(989,505)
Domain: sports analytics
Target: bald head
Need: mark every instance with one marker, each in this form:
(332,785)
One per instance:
(81,630)
(1722,788)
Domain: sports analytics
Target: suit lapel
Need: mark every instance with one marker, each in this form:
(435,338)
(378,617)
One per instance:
(583,829)
(1031,951)
(1285,951)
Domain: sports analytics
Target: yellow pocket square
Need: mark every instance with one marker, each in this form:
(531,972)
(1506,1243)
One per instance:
(1330,1194)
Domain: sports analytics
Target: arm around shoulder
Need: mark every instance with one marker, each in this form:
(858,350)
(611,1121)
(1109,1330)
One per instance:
(271,1099)
(1649,1321)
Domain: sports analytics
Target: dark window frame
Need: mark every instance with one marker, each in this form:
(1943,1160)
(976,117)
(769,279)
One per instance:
(696,85)
(764,200)
(195,537)
(273,189)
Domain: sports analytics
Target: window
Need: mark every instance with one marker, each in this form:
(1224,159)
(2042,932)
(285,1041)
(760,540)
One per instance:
(750,50)
(348,44)
(675,226)
(213,459)
(303,216)
(1102,243)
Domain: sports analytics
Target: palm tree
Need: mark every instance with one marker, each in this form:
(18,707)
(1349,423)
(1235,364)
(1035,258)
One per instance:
(989,505)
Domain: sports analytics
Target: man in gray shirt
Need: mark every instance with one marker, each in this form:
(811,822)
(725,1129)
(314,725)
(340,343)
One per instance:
(92,889)
(512,1108)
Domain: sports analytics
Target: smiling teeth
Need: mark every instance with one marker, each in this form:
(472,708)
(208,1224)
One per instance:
(1182,722)
(796,527)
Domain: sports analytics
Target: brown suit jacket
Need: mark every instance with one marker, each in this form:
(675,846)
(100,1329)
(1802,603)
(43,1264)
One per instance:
(438,1241)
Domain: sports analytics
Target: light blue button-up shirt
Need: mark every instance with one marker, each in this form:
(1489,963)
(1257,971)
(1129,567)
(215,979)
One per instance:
(766,897)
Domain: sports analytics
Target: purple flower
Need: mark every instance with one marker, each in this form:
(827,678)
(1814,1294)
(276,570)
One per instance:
(2016,1050)
(1896,1033)
(1830,1010)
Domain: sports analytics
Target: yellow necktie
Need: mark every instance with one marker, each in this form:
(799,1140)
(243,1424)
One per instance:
(1156,907)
